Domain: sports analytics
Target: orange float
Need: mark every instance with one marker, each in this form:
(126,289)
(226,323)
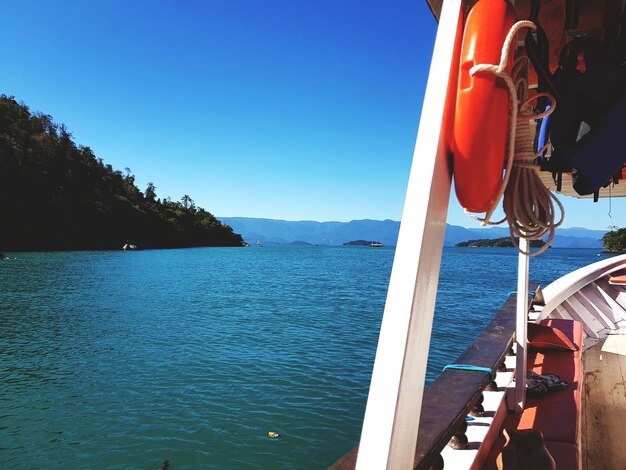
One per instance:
(482,103)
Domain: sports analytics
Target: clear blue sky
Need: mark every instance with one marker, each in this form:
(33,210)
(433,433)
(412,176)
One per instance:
(291,109)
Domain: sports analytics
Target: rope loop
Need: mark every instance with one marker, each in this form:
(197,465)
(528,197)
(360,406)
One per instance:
(504,55)
(529,207)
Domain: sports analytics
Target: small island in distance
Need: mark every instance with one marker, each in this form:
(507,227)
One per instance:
(372,243)
(505,242)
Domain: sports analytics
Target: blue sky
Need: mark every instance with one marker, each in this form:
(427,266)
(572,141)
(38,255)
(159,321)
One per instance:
(281,109)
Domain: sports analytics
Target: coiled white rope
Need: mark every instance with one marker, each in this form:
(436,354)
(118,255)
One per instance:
(528,205)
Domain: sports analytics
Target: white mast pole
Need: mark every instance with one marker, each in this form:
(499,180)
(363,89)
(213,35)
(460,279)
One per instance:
(521,325)
(391,422)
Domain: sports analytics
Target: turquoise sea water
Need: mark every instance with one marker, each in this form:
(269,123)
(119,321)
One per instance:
(125,359)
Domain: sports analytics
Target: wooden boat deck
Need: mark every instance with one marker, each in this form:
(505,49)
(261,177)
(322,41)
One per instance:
(604,403)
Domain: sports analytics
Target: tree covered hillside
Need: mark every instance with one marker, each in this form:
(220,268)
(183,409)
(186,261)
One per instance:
(615,241)
(55,195)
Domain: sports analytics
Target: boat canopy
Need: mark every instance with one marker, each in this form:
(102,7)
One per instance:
(599,24)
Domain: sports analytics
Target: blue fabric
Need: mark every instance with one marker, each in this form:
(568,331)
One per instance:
(530,292)
(543,131)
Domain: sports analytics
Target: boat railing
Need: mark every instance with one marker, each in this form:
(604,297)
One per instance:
(567,285)
(458,391)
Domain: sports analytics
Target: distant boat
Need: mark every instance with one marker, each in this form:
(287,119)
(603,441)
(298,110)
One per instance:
(259,244)
(129,246)
(376,245)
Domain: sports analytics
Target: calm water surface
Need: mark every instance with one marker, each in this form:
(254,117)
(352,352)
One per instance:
(125,359)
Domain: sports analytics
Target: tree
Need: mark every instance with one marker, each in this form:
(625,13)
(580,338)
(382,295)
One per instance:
(615,241)
(151,191)
(187,202)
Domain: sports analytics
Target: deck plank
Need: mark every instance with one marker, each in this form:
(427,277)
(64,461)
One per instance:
(604,404)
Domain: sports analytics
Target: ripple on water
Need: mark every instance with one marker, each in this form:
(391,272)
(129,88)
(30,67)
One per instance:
(122,360)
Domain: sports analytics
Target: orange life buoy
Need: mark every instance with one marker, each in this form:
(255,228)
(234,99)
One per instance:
(482,103)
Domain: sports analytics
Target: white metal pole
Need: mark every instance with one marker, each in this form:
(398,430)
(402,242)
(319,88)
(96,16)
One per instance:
(391,422)
(521,325)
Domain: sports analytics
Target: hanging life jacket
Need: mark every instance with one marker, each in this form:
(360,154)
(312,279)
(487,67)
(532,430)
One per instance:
(588,127)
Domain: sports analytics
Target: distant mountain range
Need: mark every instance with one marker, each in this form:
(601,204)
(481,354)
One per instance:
(270,231)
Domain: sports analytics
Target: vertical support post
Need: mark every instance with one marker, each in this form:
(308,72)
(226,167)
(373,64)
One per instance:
(391,421)
(521,325)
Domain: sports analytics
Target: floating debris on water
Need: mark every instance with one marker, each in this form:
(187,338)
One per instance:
(273,435)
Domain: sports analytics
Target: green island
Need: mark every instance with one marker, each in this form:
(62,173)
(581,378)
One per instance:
(505,242)
(362,243)
(56,195)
